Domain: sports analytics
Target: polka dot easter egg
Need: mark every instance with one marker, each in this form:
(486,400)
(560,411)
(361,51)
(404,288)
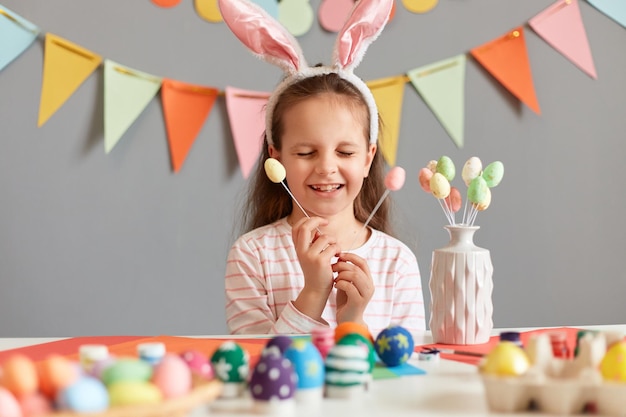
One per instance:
(394,345)
(613,365)
(273,383)
(231,364)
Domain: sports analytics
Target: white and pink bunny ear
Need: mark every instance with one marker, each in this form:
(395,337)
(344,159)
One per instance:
(263,35)
(367,20)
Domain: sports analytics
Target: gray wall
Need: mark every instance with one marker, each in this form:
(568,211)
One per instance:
(117,244)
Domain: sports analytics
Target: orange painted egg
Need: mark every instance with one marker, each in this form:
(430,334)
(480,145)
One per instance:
(55,373)
(20,375)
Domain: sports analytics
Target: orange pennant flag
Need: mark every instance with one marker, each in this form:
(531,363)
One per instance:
(389,95)
(66,66)
(186,107)
(506,58)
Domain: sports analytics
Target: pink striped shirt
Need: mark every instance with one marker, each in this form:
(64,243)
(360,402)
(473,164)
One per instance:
(263,277)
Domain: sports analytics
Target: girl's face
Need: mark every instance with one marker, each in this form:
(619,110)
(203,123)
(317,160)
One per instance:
(326,154)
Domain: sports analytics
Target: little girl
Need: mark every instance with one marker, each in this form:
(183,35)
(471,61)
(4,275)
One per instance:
(291,272)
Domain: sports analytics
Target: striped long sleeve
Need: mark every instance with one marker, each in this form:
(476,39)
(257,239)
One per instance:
(263,277)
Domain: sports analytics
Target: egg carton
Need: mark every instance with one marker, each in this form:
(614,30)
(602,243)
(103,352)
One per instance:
(554,396)
(559,386)
(199,396)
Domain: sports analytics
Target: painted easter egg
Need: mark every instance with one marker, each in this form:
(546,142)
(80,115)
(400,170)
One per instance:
(275,170)
(439,185)
(394,345)
(55,373)
(454,200)
(348,327)
(9,407)
(172,376)
(346,366)
(273,378)
(613,364)
(85,395)
(19,375)
(282,342)
(394,180)
(493,173)
(424,177)
(127,369)
(35,404)
(471,169)
(199,364)
(231,362)
(485,203)
(477,190)
(134,393)
(358,339)
(307,363)
(445,167)
(432,166)
(506,359)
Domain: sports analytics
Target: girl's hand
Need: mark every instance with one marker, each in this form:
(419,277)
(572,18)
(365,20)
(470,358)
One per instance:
(314,254)
(355,287)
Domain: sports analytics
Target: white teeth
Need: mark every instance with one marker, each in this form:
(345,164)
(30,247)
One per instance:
(329,187)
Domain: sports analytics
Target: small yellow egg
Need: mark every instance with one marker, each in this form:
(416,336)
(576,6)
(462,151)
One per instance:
(613,364)
(506,359)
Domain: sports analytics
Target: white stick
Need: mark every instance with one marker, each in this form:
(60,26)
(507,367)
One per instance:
(301,208)
(376,207)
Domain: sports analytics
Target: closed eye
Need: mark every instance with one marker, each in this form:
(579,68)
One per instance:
(304,153)
(346,153)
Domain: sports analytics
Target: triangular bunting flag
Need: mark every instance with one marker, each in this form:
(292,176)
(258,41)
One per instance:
(246,113)
(442,86)
(506,58)
(186,107)
(389,94)
(615,9)
(127,92)
(16,35)
(561,26)
(65,67)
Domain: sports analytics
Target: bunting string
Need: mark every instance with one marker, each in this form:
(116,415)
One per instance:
(441,84)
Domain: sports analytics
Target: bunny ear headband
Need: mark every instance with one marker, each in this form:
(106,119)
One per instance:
(270,41)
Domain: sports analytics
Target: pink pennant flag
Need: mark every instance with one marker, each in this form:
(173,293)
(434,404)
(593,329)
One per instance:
(246,113)
(561,26)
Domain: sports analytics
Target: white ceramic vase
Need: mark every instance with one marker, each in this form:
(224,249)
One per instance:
(461,283)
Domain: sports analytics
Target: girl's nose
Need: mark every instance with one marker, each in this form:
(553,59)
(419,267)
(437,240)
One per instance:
(326,165)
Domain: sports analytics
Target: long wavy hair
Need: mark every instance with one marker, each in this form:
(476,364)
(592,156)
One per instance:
(268,202)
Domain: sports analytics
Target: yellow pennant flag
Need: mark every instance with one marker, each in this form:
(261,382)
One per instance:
(66,66)
(389,94)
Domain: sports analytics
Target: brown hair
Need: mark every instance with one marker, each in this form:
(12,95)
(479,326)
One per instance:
(268,201)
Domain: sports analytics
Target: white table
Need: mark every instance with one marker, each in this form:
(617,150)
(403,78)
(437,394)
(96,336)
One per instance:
(448,389)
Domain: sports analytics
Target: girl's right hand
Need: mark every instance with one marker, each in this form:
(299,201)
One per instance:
(315,252)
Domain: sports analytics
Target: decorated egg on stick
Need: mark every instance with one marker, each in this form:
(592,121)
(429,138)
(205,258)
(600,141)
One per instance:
(471,169)
(493,173)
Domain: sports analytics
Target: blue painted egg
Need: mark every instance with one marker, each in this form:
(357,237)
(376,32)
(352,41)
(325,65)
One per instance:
(307,362)
(394,345)
(86,395)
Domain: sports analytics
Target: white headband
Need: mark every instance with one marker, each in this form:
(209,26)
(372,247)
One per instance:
(271,42)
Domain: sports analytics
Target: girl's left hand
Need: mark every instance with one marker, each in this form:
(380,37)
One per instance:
(355,287)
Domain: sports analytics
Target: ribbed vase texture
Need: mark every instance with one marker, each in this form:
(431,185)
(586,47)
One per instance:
(461,284)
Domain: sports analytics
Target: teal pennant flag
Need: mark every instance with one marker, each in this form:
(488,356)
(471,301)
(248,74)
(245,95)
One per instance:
(615,9)
(16,35)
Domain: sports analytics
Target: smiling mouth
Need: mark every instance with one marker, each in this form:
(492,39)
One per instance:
(326,187)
